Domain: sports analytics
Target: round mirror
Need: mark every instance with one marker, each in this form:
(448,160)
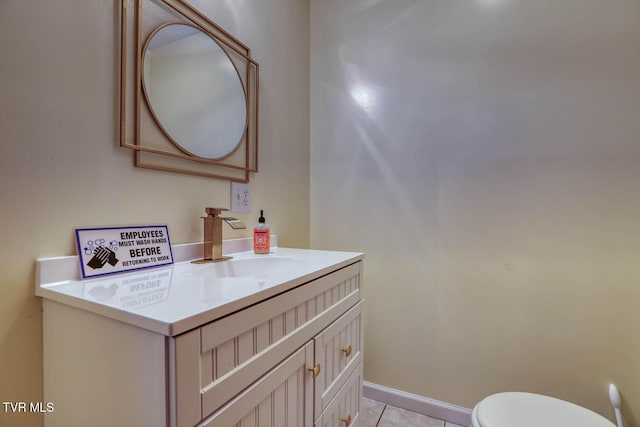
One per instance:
(194,91)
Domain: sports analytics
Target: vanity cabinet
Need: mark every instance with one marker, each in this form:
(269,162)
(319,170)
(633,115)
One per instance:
(217,361)
(291,360)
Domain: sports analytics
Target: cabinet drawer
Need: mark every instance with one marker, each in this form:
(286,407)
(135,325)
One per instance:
(338,350)
(217,361)
(344,409)
(282,398)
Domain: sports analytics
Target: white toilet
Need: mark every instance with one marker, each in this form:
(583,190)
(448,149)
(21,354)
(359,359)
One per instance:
(517,409)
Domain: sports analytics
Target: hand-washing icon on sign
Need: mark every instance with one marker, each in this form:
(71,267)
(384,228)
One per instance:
(101,254)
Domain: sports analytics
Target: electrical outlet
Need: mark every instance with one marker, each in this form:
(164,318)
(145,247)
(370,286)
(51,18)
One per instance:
(240,197)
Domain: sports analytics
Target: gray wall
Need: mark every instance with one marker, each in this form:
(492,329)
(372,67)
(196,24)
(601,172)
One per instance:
(484,154)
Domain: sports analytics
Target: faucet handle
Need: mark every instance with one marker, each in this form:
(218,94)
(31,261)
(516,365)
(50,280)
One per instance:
(215,211)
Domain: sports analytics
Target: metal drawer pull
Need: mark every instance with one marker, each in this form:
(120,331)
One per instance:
(347,351)
(346,421)
(315,370)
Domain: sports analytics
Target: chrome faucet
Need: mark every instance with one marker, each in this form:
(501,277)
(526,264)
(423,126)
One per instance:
(213,234)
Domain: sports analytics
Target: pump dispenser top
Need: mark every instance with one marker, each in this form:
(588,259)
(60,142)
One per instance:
(261,236)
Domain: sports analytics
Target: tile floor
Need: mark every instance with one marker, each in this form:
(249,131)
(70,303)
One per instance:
(377,414)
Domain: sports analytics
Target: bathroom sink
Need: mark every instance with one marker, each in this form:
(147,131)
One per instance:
(255,266)
(174,299)
(262,266)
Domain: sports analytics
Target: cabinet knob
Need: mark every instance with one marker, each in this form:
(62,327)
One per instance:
(315,370)
(347,351)
(346,421)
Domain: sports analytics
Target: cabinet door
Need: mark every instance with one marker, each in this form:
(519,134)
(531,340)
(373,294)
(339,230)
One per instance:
(344,409)
(338,350)
(282,398)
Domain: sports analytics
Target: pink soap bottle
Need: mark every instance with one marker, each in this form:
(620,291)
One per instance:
(261,236)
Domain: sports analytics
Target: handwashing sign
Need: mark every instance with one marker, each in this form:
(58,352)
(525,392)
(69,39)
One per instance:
(115,250)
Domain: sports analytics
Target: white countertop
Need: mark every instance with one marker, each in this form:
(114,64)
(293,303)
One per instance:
(171,300)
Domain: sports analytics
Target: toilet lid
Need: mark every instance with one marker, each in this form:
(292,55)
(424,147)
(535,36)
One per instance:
(533,410)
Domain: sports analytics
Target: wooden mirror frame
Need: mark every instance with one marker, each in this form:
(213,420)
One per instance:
(152,149)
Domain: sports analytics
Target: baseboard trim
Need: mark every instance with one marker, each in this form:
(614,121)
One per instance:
(413,402)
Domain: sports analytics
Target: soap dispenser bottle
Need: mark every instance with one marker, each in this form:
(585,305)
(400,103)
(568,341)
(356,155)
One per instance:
(261,236)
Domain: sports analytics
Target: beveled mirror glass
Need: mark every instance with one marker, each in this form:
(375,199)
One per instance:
(194,91)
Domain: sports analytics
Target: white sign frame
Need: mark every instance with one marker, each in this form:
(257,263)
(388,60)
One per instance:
(111,250)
